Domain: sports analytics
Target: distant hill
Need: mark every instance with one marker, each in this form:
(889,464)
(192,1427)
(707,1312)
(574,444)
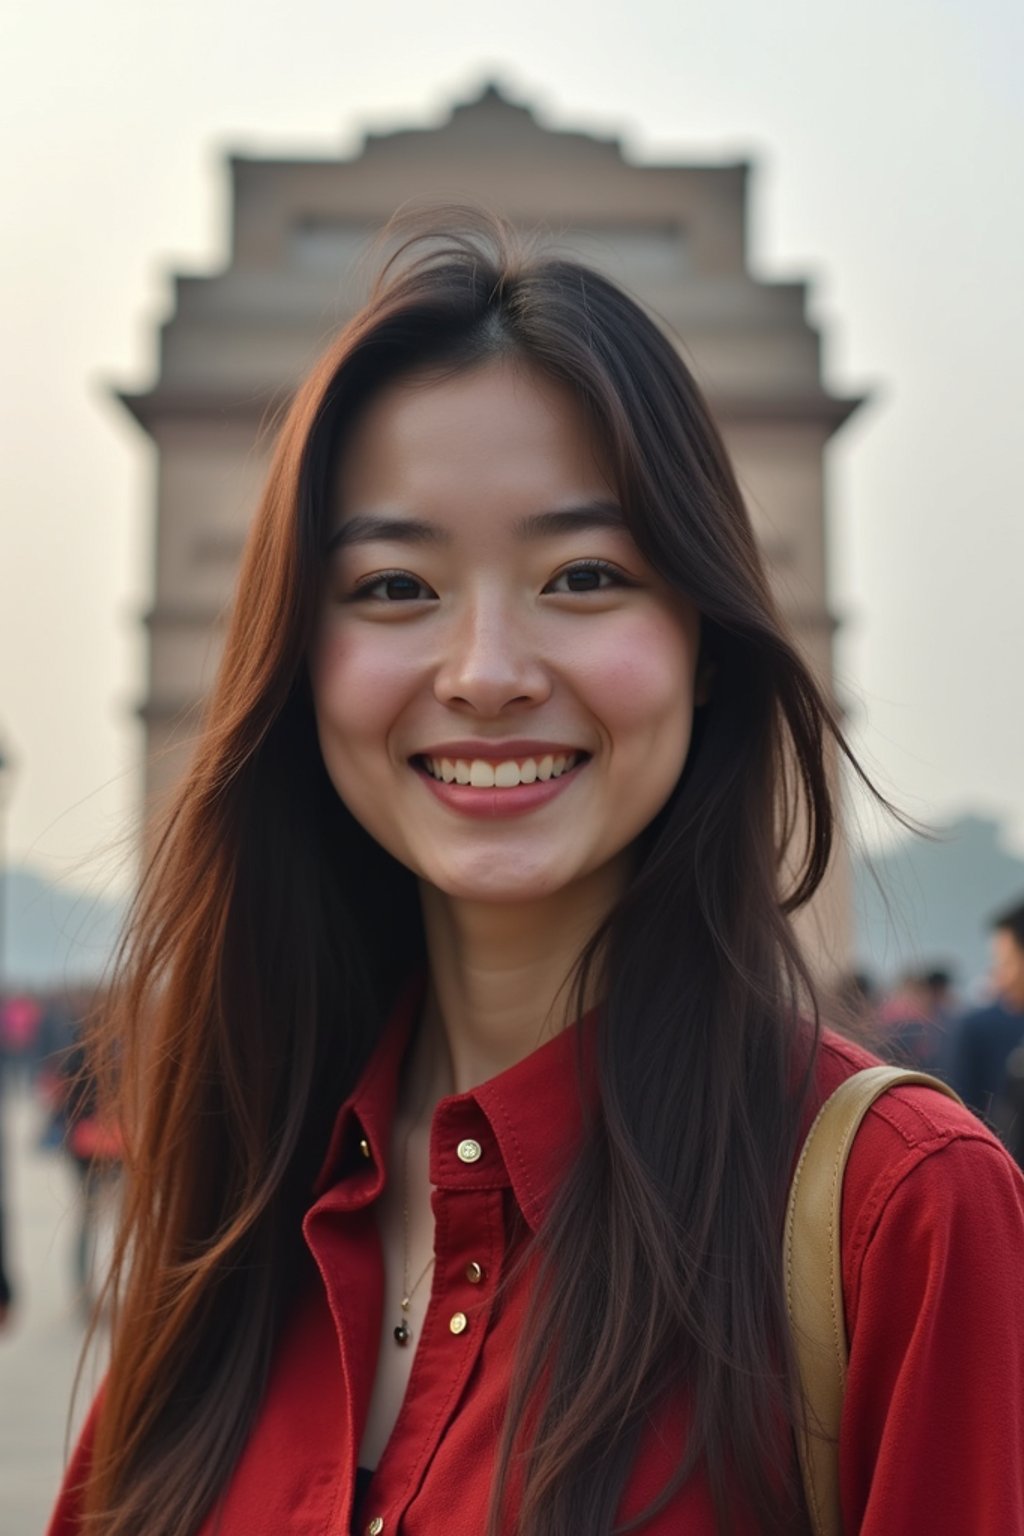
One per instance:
(941,896)
(55,935)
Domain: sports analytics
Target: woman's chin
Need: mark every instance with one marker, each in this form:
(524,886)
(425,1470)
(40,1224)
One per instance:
(497,886)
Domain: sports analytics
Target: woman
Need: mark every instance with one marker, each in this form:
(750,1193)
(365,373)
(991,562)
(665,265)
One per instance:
(461,1058)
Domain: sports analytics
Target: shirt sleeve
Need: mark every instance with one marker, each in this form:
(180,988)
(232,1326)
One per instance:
(932,1438)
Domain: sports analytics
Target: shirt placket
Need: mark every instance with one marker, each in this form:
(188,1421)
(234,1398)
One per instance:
(340,1232)
(469,1178)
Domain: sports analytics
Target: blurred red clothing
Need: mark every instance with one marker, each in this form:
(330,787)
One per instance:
(20,1019)
(932,1439)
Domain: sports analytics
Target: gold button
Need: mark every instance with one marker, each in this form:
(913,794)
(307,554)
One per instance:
(470,1151)
(364,1147)
(474,1274)
(375,1526)
(459,1323)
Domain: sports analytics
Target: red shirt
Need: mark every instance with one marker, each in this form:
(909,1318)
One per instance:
(932,1439)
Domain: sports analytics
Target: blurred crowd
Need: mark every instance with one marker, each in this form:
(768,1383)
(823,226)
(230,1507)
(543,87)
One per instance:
(42,1052)
(919,1022)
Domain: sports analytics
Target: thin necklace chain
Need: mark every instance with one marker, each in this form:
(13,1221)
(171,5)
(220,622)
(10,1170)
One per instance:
(402,1332)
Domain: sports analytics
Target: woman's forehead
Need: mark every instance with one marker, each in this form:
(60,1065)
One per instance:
(501,432)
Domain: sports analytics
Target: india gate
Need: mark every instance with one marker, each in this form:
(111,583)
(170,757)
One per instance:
(239,340)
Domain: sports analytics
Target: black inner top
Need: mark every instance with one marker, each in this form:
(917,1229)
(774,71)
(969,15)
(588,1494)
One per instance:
(363,1476)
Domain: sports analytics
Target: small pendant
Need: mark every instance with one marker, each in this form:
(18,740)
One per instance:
(402,1334)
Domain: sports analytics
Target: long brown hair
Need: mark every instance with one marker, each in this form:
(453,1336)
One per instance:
(270,930)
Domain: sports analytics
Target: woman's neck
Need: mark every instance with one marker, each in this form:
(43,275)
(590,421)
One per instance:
(500,979)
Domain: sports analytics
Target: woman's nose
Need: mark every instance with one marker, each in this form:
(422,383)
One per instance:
(491,660)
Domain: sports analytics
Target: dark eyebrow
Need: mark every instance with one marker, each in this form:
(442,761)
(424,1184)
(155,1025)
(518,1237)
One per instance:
(590,514)
(364,529)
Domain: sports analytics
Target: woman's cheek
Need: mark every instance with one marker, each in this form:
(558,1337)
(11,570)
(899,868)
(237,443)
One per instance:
(640,675)
(359,683)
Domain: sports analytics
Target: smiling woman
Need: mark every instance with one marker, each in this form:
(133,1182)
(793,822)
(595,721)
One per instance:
(465,958)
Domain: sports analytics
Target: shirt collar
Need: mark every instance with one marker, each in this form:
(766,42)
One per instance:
(519,1129)
(362,1127)
(534,1111)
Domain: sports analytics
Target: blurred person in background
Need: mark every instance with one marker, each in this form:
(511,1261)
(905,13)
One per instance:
(1012,1130)
(93,1147)
(63,1013)
(986,1065)
(940,986)
(6,1289)
(914,1020)
(466,1048)
(857,999)
(20,1016)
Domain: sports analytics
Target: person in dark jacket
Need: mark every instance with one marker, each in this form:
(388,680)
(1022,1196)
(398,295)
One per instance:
(987,1038)
(6,1289)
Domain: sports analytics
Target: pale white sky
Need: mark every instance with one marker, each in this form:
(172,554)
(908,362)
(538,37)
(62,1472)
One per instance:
(887,139)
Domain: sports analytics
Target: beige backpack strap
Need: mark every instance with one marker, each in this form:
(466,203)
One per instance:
(813,1276)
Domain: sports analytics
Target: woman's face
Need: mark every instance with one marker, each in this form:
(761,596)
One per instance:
(487,618)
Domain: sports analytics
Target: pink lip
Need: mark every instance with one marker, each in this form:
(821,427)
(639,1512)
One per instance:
(491,803)
(499,751)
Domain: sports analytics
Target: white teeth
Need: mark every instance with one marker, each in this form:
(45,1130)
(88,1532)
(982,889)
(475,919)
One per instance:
(480,774)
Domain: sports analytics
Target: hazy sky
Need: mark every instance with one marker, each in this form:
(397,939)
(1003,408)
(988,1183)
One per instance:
(887,141)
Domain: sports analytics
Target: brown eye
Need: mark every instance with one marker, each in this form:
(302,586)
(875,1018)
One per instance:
(401,588)
(392,587)
(588,576)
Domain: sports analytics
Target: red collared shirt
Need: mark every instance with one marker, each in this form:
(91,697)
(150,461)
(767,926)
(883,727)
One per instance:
(932,1437)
